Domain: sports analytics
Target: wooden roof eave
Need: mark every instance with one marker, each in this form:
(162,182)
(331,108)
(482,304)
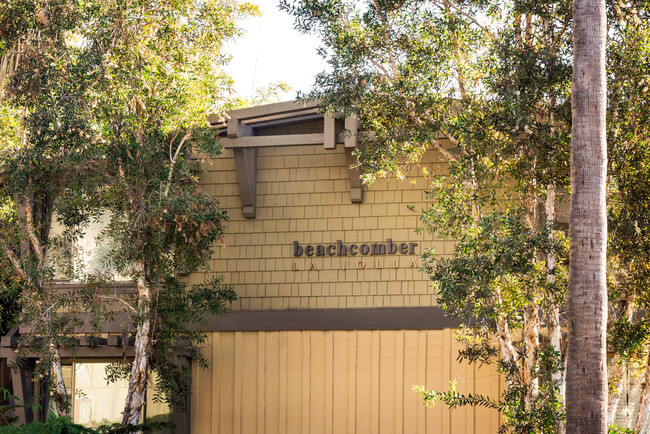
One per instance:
(240,133)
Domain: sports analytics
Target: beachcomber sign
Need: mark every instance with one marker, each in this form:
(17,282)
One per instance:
(342,249)
(353,249)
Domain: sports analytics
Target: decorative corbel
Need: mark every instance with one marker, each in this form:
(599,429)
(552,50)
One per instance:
(351,142)
(352,126)
(246,164)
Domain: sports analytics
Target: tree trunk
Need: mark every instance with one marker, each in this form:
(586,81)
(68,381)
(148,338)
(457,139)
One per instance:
(38,240)
(530,336)
(135,398)
(558,378)
(554,325)
(508,351)
(619,368)
(586,393)
(616,377)
(642,416)
(60,392)
(555,334)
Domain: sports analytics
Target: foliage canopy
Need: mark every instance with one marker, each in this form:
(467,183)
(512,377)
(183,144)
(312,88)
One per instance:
(103,107)
(487,85)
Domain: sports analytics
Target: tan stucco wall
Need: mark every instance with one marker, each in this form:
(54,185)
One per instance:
(303,195)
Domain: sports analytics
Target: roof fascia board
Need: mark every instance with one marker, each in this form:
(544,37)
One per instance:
(273,109)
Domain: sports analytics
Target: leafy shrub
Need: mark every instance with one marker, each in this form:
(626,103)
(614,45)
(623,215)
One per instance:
(53,425)
(64,425)
(613,429)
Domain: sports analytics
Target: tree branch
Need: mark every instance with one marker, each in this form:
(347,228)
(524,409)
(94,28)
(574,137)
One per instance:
(466,15)
(380,67)
(459,71)
(31,233)
(565,26)
(438,146)
(15,262)
(386,26)
(116,298)
(178,150)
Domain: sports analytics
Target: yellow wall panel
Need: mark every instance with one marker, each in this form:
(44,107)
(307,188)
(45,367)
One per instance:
(411,407)
(249,398)
(341,381)
(463,420)
(336,382)
(294,381)
(317,383)
(387,397)
(202,386)
(223,413)
(364,396)
(272,390)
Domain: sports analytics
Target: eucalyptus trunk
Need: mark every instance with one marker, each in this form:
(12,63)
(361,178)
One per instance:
(616,377)
(558,378)
(60,393)
(553,313)
(643,415)
(135,398)
(530,338)
(586,387)
(34,243)
(618,371)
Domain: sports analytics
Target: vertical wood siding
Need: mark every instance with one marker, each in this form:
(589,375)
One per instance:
(335,382)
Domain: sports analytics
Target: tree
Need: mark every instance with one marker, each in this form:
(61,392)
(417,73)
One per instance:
(160,76)
(587,301)
(497,88)
(45,133)
(494,79)
(628,228)
(136,80)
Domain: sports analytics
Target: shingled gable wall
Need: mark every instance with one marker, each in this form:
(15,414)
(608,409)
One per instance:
(303,196)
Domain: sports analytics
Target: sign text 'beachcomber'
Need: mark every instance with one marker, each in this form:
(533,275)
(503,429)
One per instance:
(342,249)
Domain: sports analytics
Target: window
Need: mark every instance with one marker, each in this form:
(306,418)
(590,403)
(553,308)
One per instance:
(96,402)
(88,253)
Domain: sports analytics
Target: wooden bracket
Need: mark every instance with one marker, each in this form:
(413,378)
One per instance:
(246,164)
(329,132)
(242,140)
(351,142)
(236,128)
(352,125)
(356,188)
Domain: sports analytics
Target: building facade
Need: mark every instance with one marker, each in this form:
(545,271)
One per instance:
(334,323)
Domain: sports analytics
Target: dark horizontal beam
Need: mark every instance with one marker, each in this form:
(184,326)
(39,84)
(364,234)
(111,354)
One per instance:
(123,287)
(283,121)
(393,318)
(398,318)
(118,323)
(102,352)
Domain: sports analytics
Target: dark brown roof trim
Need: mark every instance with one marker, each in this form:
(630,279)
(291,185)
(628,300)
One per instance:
(397,318)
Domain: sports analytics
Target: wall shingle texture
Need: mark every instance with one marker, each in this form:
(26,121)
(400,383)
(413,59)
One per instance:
(303,195)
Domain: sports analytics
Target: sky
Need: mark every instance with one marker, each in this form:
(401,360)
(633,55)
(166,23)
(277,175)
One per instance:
(271,50)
